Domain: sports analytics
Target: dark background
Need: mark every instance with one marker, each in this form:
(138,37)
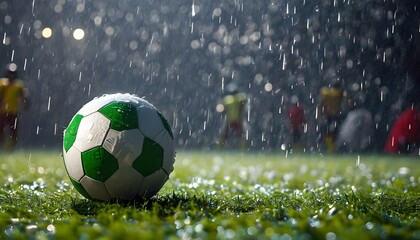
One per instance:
(180,54)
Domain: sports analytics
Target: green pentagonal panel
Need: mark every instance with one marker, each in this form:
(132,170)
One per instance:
(71,132)
(150,159)
(123,115)
(166,124)
(99,164)
(80,189)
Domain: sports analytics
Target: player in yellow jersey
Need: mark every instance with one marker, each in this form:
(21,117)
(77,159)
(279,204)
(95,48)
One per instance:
(13,95)
(234,105)
(331,101)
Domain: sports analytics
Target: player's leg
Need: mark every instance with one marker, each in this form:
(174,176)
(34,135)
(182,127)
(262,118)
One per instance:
(331,133)
(2,126)
(243,144)
(223,136)
(12,125)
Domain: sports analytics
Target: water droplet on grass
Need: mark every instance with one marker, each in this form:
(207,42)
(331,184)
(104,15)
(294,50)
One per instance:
(51,228)
(330,236)
(31,228)
(332,211)
(252,231)
(369,226)
(314,222)
(404,171)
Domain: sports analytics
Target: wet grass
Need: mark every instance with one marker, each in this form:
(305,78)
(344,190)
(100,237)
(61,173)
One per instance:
(215,195)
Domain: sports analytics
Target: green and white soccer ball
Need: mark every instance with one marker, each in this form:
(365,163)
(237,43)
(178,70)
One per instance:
(118,147)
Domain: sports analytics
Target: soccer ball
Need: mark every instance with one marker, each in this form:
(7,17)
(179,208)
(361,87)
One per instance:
(118,147)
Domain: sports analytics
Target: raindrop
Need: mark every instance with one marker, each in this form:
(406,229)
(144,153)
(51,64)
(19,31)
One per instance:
(6,40)
(284,62)
(49,104)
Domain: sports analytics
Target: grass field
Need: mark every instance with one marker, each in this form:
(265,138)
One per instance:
(221,195)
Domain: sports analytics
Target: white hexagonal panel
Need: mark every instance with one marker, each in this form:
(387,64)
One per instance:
(92,131)
(124,184)
(125,146)
(96,104)
(165,140)
(95,189)
(149,122)
(153,183)
(73,163)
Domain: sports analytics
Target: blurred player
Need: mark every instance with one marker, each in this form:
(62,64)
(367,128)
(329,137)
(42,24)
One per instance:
(331,100)
(356,130)
(234,104)
(405,133)
(13,95)
(297,122)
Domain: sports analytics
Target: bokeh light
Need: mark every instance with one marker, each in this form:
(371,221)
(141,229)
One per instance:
(47,32)
(78,34)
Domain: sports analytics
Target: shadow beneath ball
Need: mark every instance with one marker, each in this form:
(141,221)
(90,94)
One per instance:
(163,205)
